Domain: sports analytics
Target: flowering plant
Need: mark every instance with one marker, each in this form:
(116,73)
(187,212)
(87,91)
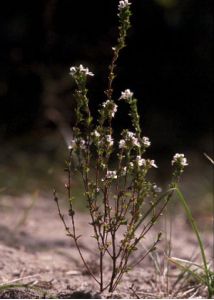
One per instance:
(123,204)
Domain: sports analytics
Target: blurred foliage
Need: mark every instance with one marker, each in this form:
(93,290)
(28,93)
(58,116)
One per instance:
(167,3)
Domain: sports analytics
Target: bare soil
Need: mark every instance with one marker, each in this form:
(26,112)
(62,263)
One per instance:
(37,259)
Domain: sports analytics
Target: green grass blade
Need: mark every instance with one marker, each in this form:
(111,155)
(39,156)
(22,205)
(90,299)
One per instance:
(200,243)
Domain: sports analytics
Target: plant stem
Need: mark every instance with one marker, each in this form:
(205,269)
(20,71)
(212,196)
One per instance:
(114,260)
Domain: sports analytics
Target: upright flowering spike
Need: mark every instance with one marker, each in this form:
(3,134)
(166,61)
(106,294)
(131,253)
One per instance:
(115,198)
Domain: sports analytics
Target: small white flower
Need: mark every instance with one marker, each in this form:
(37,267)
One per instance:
(146,141)
(131,165)
(109,140)
(82,144)
(140,161)
(106,103)
(123,4)
(95,133)
(81,69)
(111,175)
(130,134)
(111,106)
(73,71)
(135,142)
(72,144)
(179,159)
(157,189)
(124,171)
(126,95)
(122,144)
(131,138)
(151,163)
(103,166)
(114,110)
(85,70)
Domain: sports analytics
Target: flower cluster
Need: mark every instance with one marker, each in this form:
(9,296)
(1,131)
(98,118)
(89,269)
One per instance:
(111,175)
(80,70)
(123,4)
(75,143)
(156,188)
(126,95)
(96,134)
(110,107)
(179,160)
(129,139)
(103,141)
(145,162)
(109,140)
(140,161)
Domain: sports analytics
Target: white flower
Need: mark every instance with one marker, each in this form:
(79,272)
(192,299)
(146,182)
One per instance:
(124,171)
(135,142)
(146,141)
(131,165)
(151,163)
(157,189)
(123,4)
(81,69)
(95,133)
(111,106)
(131,138)
(122,144)
(109,140)
(73,71)
(126,95)
(130,134)
(114,110)
(111,175)
(140,161)
(85,70)
(106,103)
(72,144)
(103,166)
(82,144)
(179,159)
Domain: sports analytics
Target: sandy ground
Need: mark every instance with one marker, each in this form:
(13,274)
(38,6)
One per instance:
(37,252)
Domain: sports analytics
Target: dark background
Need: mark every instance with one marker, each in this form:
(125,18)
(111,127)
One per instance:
(168,64)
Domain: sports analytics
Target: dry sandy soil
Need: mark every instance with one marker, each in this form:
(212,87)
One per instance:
(36,252)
